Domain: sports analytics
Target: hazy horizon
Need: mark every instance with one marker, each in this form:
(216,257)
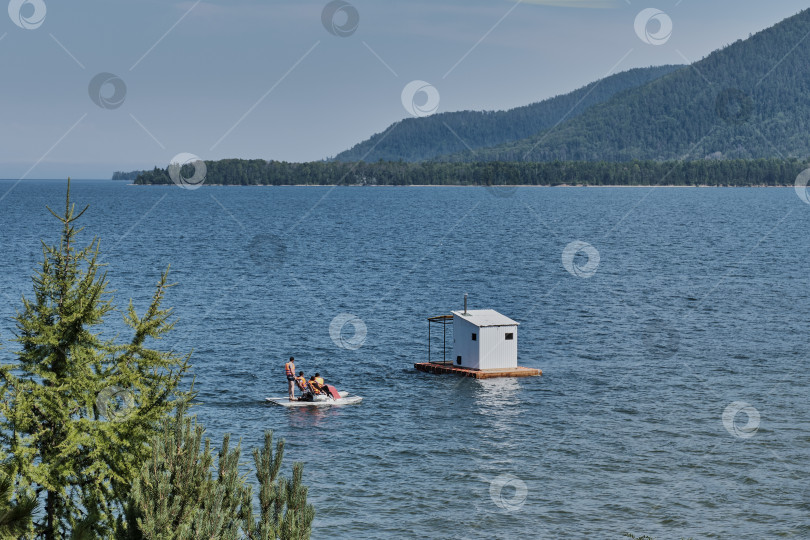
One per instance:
(251,80)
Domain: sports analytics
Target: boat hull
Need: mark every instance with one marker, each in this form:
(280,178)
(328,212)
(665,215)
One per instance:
(345,399)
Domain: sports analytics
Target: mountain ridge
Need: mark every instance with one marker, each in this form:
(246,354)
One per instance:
(748,100)
(419,139)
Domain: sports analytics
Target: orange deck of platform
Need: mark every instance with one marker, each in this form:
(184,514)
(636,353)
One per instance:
(449,369)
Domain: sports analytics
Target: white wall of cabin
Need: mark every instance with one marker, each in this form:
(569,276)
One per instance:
(463,345)
(495,351)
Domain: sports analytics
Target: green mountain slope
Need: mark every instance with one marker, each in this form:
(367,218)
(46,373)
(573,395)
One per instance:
(748,100)
(416,139)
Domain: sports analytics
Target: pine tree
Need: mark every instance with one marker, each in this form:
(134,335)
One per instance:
(16,507)
(297,521)
(284,511)
(175,495)
(178,497)
(77,411)
(271,496)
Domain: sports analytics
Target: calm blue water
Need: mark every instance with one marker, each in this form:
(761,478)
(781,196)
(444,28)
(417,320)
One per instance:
(700,300)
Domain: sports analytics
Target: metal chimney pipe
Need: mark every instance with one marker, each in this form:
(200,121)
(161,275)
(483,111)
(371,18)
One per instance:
(465,303)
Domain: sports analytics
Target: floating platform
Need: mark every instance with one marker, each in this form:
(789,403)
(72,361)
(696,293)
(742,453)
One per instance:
(438,368)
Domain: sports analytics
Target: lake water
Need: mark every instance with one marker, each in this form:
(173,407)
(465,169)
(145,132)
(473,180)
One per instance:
(698,307)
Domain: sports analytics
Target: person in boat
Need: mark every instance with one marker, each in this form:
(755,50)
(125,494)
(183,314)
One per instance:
(321,384)
(318,383)
(309,388)
(289,371)
(301,382)
(314,386)
(303,385)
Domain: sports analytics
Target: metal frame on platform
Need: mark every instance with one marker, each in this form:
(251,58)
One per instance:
(444,320)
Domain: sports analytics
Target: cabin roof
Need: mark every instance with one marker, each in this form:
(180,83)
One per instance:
(485,317)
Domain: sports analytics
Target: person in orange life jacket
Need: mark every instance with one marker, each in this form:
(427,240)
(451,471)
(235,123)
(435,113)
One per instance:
(317,384)
(306,388)
(314,385)
(301,382)
(289,371)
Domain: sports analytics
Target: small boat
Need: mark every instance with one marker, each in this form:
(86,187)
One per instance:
(319,401)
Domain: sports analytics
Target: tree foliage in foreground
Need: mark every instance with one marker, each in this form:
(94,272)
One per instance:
(758,172)
(16,507)
(77,410)
(177,495)
(88,446)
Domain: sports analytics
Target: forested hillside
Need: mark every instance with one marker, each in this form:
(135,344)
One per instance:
(738,117)
(122,175)
(417,139)
(748,100)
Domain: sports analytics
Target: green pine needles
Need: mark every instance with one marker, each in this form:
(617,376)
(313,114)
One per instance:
(183,494)
(16,507)
(88,444)
(77,411)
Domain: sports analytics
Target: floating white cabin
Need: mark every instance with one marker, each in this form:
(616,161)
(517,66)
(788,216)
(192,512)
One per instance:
(484,346)
(484,339)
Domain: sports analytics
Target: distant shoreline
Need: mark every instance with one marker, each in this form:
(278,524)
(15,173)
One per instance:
(756,172)
(469,186)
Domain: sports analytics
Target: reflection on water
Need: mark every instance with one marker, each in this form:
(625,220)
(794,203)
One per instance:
(500,401)
(497,393)
(309,417)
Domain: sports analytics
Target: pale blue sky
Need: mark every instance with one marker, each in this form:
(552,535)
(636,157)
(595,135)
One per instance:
(193,70)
